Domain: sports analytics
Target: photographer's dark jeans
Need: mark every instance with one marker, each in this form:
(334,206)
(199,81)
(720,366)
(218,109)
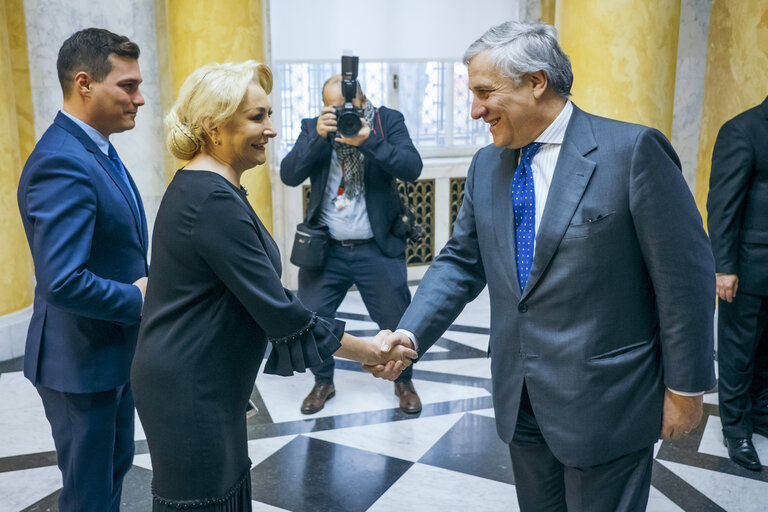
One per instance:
(381,280)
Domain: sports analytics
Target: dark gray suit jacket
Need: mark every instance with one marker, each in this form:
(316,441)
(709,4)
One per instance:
(737,206)
(620,300)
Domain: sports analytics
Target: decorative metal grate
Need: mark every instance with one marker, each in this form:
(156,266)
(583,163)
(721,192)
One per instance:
(422,201)
(457,197)
(422,194)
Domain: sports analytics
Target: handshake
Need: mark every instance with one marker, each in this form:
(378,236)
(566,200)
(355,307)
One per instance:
(393,353)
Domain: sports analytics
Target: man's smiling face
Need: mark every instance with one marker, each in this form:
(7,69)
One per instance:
(508,108)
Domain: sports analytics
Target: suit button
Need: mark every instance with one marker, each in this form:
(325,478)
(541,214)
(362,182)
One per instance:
(522,307)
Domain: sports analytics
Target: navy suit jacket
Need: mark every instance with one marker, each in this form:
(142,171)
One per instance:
(738,199)
(619,302)
(388,155)
(88,243)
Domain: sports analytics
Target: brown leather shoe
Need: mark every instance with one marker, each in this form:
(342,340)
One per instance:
(409,400)
(321,392)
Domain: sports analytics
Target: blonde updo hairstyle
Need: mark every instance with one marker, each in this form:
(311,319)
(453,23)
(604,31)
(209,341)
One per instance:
(208,98)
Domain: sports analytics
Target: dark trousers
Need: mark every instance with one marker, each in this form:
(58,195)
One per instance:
(741,342)
(759,390)
(93,434)
(381,280)
(544,484)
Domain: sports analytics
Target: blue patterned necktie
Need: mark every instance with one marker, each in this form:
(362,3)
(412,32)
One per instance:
(524,206)
(120,168)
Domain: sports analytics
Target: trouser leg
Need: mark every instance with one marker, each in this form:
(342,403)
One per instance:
(544,484)
(620,485)
(738,326)
(93,451)
(124,445)
(322,291)
(383,285)
(539,480)
(759,387)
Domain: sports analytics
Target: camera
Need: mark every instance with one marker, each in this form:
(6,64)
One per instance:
(406,226)
(348,116)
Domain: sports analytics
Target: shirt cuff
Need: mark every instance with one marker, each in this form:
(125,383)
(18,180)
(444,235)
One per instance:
(412,337)
(687,393)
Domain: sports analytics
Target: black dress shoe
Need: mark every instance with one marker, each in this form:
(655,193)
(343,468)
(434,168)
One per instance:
(409,399)
(742,452)
(321,392)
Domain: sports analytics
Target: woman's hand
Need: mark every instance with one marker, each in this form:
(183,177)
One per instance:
(370,353)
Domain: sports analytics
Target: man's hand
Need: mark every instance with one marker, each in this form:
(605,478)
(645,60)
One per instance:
(390,342)
(681,414)
(326,122)
(358,139)
(727,284)
(141,284)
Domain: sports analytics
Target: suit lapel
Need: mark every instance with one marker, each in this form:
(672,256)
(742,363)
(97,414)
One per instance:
(572,173)
(503,216)
(142,219)
(106,164)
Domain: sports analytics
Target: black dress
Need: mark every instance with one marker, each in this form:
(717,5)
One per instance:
(214,300)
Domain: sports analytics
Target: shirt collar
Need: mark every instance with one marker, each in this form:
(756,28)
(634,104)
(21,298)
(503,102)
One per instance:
(555,132)
(95,135)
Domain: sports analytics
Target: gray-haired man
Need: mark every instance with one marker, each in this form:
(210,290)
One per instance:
(580,227)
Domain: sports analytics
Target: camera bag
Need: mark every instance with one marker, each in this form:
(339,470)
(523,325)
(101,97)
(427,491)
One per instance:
(310,246)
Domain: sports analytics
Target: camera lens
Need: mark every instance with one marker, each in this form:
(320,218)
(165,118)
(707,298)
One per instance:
(348,124)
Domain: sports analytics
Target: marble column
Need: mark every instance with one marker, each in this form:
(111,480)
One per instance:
(200,32)
(736,75)
(689,84)
(624,55)
(16,277)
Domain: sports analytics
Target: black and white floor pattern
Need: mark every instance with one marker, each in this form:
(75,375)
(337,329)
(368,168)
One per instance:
(361,453)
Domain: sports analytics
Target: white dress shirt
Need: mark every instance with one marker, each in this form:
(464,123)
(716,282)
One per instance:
(350,222)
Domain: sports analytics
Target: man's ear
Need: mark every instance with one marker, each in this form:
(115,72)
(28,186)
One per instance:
(83,84)
(539,82)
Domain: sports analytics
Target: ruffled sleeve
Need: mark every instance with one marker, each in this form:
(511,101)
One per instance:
(230,241)
(307,347)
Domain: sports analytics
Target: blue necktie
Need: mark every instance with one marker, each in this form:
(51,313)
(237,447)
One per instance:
(524,206)
(120,168)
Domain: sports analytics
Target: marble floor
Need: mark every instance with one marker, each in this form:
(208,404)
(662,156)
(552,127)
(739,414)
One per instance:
(361,453)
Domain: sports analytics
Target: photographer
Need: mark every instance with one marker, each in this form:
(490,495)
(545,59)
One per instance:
(353,193)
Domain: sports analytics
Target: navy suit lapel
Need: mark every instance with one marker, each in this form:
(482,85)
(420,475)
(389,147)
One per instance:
(503,216)
(105,163)
(142,219)
(572,173)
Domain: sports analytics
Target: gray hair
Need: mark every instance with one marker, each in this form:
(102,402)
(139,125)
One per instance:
(518,48)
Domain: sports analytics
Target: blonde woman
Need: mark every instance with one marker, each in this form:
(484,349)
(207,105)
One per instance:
(214,299)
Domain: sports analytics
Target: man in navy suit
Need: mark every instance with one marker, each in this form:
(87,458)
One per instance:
(86,228)
(353,193)
(600,279)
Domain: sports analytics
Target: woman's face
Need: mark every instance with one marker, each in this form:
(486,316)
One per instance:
(244,137)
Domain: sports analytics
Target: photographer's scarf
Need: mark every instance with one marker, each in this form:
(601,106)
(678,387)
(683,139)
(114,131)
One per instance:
(351,159)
